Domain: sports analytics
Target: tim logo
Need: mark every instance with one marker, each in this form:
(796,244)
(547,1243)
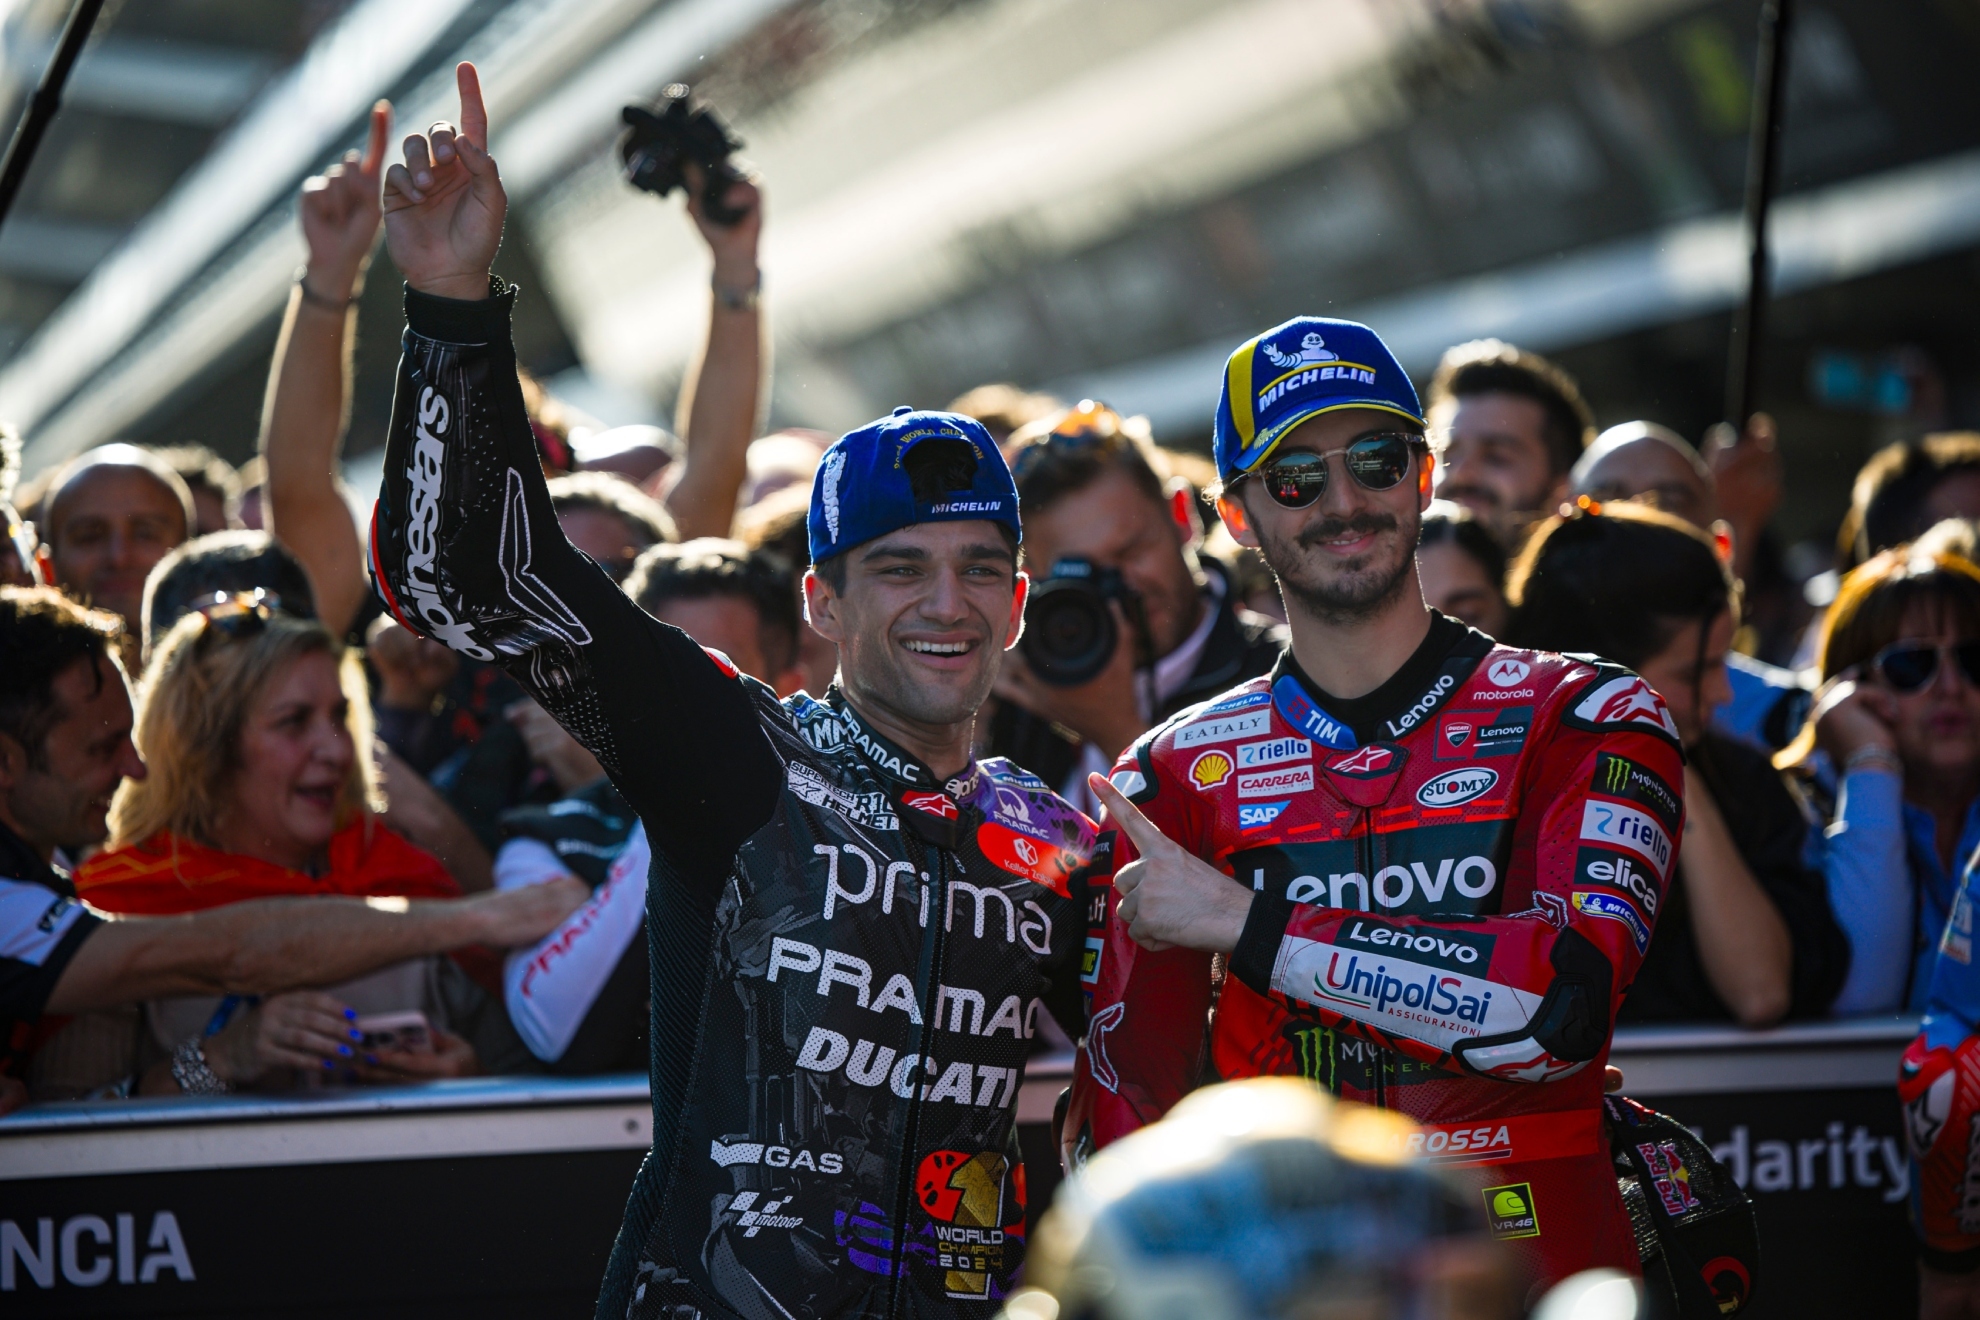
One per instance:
(1508,673)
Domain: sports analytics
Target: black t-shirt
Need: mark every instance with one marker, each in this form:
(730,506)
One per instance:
(42,924)
(1769,831)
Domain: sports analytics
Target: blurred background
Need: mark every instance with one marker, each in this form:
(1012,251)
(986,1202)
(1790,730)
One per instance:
(1095,198)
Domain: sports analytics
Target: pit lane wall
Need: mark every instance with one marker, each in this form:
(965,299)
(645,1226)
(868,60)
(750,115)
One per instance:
(494,1198)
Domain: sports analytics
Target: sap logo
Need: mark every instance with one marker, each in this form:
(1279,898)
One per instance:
(1595,903)
(1272,752)
(755,1220)
(422,525)
(727,1153)
(1257,815)
(1626,700)
(1426,703)
(1223,730)
(1453,950)
(1267,783)
(984,1085)
(1626,827)
(1209,770)
(1508,673)
(1606,868)
(88,1252)
(1454,788)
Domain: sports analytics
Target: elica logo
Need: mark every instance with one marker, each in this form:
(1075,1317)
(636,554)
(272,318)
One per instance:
(1622,873)
(423,520)
(89,1254)
(1454,788)
(1452,950)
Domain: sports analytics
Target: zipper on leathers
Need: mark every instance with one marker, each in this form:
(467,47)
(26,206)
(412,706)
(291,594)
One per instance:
(934,947)
(1366,854)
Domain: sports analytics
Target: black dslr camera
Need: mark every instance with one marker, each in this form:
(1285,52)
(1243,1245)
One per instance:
(1069,632)
(658,142)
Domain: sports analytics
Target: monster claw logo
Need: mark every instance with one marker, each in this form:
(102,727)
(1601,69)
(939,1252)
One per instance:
(1615,776)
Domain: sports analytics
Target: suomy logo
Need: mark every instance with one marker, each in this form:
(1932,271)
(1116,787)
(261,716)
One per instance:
(1454,788)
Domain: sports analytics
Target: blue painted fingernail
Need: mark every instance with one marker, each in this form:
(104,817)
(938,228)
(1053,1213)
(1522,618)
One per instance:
(328,1064)
(356,1034)
(345,1050)
(350,1014)
(371,1058)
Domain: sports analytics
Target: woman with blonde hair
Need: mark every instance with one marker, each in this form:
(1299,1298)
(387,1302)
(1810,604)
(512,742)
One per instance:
(257,733)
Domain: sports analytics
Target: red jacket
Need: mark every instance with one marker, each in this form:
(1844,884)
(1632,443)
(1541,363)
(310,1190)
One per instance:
(1457,876)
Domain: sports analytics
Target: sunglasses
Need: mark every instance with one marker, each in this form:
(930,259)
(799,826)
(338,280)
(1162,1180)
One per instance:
(1911,666)
(1376,462)
(240,614)
(1087,425)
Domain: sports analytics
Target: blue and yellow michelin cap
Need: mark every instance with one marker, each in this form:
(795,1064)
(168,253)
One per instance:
(1308,366)
(863,487)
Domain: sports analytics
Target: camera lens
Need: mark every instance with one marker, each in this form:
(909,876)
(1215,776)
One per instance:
(1069,633)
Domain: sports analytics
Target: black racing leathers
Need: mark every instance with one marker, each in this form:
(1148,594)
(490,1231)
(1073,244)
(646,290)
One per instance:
(848,956)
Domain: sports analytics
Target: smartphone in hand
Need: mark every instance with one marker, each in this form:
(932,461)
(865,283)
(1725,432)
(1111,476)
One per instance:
(407,1032)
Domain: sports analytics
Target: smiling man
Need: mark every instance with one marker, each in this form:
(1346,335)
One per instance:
(853,925)
(1431,862)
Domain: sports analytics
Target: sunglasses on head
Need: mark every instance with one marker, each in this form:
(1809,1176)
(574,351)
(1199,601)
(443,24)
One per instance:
(1376,462)
(1087,425)
(238,614)
(1911,666)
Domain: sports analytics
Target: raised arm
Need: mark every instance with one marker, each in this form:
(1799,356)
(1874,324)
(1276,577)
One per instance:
(271,945)
(307,406)
(466,548)
(717,417)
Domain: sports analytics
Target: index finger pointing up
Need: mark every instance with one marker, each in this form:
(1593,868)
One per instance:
(474,115)
(1147,838)
(374,146)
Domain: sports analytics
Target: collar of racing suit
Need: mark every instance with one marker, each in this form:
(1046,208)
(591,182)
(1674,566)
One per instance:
(900,769)
(1436,669)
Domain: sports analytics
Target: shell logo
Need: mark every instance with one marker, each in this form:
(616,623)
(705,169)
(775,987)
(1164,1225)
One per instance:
(1209,770)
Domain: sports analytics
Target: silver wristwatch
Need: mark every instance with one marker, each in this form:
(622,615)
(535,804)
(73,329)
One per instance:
(190,1071)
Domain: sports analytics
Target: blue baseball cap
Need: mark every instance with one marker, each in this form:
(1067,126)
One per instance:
(1308,366)
(863,489)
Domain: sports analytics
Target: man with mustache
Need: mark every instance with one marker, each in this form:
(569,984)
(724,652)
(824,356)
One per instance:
(1423,866)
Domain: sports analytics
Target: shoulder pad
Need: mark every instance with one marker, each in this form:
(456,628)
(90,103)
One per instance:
(1006,771)
(1615,698)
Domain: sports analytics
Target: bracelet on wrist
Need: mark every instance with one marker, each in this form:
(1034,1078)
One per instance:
(191,1071)
(324,300)
(739,299)
(1873,758)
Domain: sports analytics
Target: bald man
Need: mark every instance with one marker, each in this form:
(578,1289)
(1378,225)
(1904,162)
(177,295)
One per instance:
(1645,461)
(112,513)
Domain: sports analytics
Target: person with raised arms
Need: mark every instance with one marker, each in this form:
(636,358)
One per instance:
(853,925)
(1426,865)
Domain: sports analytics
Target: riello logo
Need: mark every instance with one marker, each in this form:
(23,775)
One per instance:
(91,1250)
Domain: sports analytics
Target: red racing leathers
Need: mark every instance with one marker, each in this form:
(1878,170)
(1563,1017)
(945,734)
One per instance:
(1457,876)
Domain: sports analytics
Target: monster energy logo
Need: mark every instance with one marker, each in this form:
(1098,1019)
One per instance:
(1615,774)
(1318,1061)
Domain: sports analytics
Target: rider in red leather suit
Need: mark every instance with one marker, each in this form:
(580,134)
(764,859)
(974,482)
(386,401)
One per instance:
(1453,877)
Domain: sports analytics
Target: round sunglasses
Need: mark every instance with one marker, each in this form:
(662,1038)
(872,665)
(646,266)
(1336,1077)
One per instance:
(1376,462)
(1911,666)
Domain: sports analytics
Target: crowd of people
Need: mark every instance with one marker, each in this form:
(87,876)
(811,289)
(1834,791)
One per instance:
(289,800)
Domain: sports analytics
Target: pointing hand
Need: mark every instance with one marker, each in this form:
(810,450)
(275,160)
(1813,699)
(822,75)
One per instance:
(1168,896)
(444,206)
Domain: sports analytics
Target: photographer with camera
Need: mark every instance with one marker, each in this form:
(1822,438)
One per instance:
(1127,624)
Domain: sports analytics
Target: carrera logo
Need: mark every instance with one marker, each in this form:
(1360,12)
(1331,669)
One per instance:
(1626,827)
(1257,815)
(1270,783)
(1507,673)
(1454,788)
(934,804)
(1223,730)
(1272,752)
(1626,700)
(1209,770)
